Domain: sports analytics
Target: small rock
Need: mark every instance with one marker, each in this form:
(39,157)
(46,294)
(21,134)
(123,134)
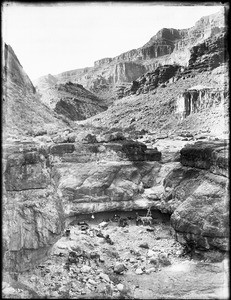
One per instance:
(98,271)
(179,252)
(85,269)
(103,224)
(150,270)
(92,282)
(154,260)
(101,259)
(135,252)
(150,253)
(139,271)
(104,276)
(9,290)
(150,229)
(119,268)
(144,245)
(163,258)
(120,287)
(132,260)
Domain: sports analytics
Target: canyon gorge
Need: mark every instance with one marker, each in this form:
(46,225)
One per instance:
(144,131)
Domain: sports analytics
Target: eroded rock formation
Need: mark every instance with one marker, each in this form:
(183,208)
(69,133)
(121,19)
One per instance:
(168,46)
(150,81)
(198,98)
(71,100)
(44,187)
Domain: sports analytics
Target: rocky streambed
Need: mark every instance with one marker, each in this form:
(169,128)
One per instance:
(98,259)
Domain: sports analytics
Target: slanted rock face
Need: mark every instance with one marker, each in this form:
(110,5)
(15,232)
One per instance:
(32,214)
(22,110)
(202,219)
(71,100)
(200,214)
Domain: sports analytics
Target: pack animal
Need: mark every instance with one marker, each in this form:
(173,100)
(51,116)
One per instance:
(144,220)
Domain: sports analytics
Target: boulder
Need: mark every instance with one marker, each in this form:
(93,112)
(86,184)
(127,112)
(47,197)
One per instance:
(210,155)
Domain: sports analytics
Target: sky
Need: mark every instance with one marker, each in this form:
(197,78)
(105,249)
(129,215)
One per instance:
(53,38)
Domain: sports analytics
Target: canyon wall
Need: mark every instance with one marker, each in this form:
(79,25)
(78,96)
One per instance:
(167,46)
(21,104)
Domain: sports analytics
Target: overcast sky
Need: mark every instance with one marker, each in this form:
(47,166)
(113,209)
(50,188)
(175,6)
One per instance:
(61,37)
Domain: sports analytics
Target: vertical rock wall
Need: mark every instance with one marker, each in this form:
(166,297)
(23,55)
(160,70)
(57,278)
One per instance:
(198,98)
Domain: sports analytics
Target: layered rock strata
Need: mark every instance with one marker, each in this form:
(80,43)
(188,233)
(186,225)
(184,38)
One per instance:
(149,81)
(45,186)
(168,46)
(195,193)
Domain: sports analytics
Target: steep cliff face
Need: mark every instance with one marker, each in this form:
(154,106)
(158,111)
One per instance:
(199,98)
(209,54)
(168,46)
(149,81)
(32,218)
(22,110)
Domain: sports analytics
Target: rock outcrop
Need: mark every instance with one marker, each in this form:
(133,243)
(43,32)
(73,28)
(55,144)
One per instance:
(32,215)
(198,98)
(149,81)
(32,212)
(207,55)
(194,192)
(22,109)
(71,100)
(203,217)
(45,187)
(212,156)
